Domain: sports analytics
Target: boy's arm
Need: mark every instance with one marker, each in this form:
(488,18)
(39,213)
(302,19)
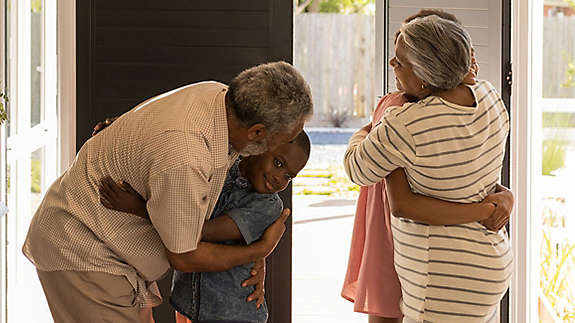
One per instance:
(406,204)
(212,257)
(221,228)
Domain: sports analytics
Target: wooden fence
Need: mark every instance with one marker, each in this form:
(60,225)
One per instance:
(336,55)
(558,51)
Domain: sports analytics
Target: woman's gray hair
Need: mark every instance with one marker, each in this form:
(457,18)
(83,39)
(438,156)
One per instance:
(274,94)
(439,51)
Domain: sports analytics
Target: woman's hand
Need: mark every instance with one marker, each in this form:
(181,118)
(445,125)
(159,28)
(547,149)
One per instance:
(503,201)
(122,198)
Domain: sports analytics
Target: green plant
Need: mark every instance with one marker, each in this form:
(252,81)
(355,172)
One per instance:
(553,155)
(556,283)
(36,176)
(353,188)
(3,102)
(310,192)
(570,72)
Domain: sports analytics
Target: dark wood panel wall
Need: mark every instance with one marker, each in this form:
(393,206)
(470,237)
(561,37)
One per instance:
(130,50)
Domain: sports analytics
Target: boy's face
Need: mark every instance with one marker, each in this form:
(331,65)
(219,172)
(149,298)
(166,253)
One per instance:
(272,171)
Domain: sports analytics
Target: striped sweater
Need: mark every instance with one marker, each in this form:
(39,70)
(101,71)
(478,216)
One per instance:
(449,273)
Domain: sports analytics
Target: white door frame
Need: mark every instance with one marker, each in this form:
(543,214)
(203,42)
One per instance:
(67,82)
(27,137)
(526,56)
(2,170)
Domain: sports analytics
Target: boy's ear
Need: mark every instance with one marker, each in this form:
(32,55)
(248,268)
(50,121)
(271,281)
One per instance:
(257,132)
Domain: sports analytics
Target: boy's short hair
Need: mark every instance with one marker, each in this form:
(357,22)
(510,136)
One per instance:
(302,141)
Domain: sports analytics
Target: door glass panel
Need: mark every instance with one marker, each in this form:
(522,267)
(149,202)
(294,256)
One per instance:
(554,218)
(36,170)
(31,145)
(36,61)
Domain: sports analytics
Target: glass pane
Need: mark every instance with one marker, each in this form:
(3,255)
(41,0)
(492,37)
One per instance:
(10,67)
(334,48)
(37,176)
(556,220)
(36,61)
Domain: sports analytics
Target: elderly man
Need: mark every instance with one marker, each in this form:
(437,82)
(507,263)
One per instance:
(99,265)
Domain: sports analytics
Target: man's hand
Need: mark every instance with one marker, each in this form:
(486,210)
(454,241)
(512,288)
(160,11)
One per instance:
(258,281)
(503,201)
(102,125)
(274,233)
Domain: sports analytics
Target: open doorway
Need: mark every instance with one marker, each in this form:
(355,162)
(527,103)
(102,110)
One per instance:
(342,48)
(334,48)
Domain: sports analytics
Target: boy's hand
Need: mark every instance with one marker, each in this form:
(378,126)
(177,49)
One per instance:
(121,197)
(258,281)
(473,70)
(274,233)
(102,125)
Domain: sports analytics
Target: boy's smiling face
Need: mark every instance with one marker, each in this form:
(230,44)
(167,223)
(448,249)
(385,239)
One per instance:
(272,171)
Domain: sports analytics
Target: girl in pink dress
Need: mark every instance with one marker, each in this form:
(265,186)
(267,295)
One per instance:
(371,281)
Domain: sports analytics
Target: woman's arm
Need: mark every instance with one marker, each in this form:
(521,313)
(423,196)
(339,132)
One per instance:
(404,203)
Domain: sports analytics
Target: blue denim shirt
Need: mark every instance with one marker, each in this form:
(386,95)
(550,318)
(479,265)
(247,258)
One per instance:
(219,295)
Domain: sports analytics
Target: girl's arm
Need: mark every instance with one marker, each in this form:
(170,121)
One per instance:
(406,204)
(125,199)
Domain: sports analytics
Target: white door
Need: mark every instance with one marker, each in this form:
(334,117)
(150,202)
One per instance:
(32,158)
(543,159)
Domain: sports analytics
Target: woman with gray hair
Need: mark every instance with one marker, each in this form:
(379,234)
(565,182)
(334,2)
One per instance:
(451,143)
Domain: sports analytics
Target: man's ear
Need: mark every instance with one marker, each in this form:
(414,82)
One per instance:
(257,132)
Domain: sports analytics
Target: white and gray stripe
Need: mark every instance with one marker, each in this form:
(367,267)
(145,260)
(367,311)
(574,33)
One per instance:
(448,273)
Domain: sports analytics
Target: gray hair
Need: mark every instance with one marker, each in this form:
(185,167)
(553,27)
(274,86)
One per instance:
(274,94)
(439,51)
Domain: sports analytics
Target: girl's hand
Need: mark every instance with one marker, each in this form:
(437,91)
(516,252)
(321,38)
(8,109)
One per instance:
(367,128)
(102,125)
(122,198)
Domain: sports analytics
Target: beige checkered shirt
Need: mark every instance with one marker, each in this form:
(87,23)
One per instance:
(173,150)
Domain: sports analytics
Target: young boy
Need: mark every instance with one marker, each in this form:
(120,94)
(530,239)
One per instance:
(247,205)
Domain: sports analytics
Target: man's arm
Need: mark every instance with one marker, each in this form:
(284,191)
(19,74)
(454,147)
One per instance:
(210,257)
(406,204)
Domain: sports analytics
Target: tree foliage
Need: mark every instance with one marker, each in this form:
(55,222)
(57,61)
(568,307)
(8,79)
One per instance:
(336,6)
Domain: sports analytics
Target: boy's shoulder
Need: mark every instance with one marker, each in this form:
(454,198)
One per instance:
(265,202)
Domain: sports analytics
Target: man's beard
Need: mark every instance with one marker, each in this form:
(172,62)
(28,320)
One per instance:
(254,148)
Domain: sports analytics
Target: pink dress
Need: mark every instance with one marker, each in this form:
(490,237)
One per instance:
(371,281)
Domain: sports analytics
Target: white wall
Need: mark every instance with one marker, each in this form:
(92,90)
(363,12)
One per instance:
(481,18)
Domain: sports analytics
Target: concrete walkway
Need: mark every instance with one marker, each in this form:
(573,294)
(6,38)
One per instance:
(321,239)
